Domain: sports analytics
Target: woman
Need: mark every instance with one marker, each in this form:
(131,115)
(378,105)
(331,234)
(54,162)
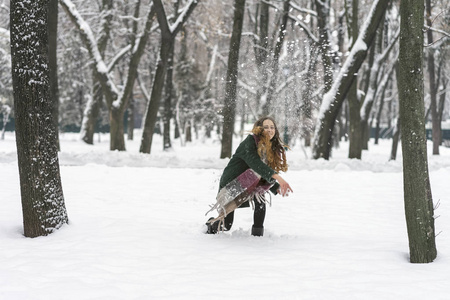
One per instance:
(251,171)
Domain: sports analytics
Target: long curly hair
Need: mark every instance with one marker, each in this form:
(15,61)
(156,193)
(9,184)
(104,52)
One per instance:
(271,149)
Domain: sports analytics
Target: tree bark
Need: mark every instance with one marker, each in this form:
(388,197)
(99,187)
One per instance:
(436,125)
(332,100)
(167,41)
(52,60)
(355,133)
(92,110)
(323,15)
(229,109)
(42,197)
(167,116)
(130,120)
(395,139)
(416,183)
(90,114)
(155,97)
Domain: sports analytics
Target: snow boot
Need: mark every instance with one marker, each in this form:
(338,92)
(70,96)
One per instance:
(212,227)
(257,231)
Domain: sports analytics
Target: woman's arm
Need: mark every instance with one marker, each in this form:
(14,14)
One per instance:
(285,188)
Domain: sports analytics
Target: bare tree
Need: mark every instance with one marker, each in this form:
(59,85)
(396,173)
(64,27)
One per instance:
(43,205)
(168,34)
(116,100)
(275,60)
(229,109)
(91,112)
(333,99)
(436,124)
(416,183)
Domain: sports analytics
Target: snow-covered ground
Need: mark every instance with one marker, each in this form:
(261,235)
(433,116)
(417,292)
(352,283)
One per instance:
(137,222)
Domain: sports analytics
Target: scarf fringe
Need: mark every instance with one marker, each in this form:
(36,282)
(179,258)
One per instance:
(221,209)
(246,187)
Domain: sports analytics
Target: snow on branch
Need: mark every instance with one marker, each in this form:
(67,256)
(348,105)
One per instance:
(332,100)
(184,15)
(301,9)
(246,87)
(439,42)
(305,28)
(118,56)
(373,85)
(89,40)
(297,20)
(359,46)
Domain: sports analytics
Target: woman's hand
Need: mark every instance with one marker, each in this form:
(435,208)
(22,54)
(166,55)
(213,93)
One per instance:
(285,188)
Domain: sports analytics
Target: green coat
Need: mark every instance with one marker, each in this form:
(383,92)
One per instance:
(245,157)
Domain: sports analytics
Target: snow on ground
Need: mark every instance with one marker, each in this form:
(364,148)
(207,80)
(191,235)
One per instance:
(136,229)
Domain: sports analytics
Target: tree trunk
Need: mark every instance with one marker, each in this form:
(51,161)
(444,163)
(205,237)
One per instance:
(395,140)
(52,60)
(275,60)
(90,114)
(416,184)
(436,125)
(167,42)
(229,109)
(332,100)
(42,197)
(262,51)
(116,128)
(155,97)
(130,121)
(306,109)
(380,107)
(188,130)
(354,105)
(92,110)
(323,15)
(371,90)
(167,116)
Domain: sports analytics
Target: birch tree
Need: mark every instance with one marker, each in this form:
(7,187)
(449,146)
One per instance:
(42,197)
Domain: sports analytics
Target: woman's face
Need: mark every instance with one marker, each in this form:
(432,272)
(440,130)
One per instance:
(269,128)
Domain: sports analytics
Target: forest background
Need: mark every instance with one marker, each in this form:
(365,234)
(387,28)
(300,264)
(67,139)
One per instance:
(290,53)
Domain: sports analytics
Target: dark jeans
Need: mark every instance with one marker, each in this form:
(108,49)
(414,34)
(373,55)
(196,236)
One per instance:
(259,215)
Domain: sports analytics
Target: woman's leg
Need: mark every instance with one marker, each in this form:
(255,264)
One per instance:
(259,214)
(258,219)
(228,222)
